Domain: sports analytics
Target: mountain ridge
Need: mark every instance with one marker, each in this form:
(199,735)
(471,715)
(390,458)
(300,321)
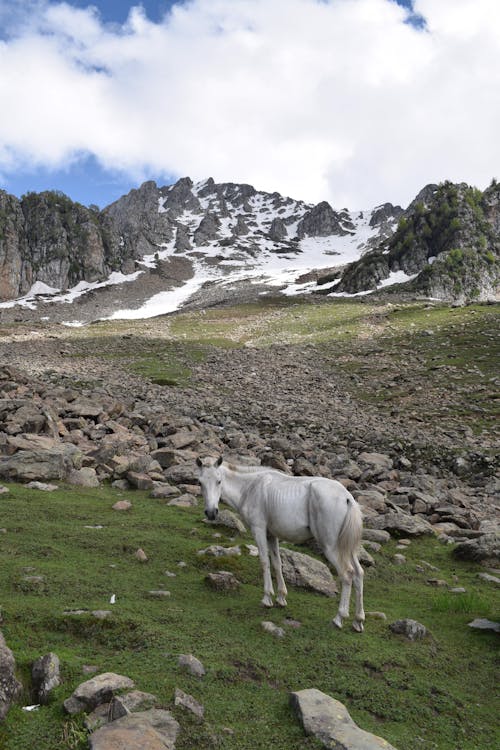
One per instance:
(190,236)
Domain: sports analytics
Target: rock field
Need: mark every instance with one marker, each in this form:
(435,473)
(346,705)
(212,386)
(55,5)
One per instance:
(67,414)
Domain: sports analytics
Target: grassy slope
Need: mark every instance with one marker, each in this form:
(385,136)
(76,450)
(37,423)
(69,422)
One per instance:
(439,690)
(392,687)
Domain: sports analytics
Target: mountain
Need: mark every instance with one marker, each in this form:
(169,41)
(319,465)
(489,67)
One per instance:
(448,241)
(206,241)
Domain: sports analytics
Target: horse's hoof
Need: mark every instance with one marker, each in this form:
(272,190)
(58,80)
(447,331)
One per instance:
(267,603)
(358,626)
(281,601)
(337,621)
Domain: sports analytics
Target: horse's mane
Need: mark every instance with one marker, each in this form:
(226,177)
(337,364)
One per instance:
(256,469)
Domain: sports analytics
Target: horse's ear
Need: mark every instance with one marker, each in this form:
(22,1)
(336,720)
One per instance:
(219,461)
(199,462)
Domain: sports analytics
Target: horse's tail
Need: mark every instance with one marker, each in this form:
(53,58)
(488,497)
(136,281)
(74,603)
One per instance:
(350,534)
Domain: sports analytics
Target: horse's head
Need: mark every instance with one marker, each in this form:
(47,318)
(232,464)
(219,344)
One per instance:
(211,484)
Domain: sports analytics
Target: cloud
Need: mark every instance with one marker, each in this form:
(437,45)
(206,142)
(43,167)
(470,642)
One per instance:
(340,100)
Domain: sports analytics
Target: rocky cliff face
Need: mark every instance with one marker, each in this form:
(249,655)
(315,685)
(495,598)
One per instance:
(448,240)
(48,238)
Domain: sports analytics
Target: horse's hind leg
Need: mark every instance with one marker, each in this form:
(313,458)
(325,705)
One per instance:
(357,581)
(346,578)
(274,549)
(261,540)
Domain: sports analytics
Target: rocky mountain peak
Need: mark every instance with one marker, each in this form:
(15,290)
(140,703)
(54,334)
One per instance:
(446,244)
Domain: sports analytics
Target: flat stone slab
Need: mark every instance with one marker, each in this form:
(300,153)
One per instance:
(483,624)
(329,721)
(148,730)
(42,486)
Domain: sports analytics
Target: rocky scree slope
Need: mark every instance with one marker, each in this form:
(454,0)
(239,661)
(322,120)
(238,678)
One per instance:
(55,425)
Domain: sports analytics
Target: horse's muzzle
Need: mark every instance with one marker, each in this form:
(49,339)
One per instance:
(212,514)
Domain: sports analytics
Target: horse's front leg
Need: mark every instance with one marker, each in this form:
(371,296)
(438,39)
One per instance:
(274,549)
(261,540)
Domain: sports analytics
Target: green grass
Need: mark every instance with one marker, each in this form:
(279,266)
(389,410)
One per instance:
(397,689)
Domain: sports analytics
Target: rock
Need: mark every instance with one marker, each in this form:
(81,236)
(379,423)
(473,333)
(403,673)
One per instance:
(3,490)
(486,549)
(484,624)
(184,501)
(273,629)
(376,535)
(139,481)
(155,729)
(85,477)
(42,486)
(10,687)
(222,581)
(489,578)
(400,523)
(330,723)
(122,705)
(93,692)
(365,558)
(28,465)
(191,664)
(45,676)
(141,555)
(227,518)
(216,550)
(186,473)
(122,505)
(188,702)
(121,484)
(371,499)
(411,629)
(399,559)
(377,463)
(161,491)
(183,439)
(99,717)
(307,572)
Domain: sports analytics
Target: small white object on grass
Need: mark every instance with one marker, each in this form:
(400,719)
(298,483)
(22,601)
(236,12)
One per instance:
(113,599)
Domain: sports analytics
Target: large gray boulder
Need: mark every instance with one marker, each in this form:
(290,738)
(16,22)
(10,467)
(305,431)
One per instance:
(307,572)
(40,465)
(10,687)
(328,720)
(93,692)
(484,549)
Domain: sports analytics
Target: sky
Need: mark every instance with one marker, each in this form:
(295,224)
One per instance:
(357,102)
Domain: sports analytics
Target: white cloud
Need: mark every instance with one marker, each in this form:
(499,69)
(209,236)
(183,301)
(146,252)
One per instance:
(338,100)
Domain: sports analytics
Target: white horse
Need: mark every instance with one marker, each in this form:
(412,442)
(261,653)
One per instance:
(278,506)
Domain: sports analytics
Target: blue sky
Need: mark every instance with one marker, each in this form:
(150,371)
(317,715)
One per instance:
(352,101)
